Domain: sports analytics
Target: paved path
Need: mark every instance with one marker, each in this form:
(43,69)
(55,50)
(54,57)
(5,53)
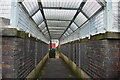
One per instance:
(56,68)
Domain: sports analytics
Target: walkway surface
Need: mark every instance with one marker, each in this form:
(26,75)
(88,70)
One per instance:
(56,68)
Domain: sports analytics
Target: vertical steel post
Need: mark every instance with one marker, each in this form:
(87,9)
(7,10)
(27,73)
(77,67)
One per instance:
(14,14)
(109,15)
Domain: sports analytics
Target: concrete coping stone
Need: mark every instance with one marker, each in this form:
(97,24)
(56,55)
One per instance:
(101,36)
(13,32)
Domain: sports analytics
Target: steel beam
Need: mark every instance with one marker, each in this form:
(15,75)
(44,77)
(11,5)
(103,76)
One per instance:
(30,16)
(56,29)
(102,7)
(102,3)
(76,24)
(60,8)
(41,22)
(41,9)
(56,26)
(78,11)
(57,20)
(14,15)
(57,33)
(84,14)
(67,33)
(35,13)
(89,18)
(24,8)
(97,12)
(71,29)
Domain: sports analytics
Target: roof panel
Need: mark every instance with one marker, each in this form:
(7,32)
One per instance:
(57,31)
(38,18)
(62,10)
(44,30)
(80,19)
(31,6)
(47,35)
(61,3)
(65,35)
(73,27)
(58,23)
(5,8)
(55,34)
(59,14)
(42,25)
(91,7)
(57,28)
(69,31)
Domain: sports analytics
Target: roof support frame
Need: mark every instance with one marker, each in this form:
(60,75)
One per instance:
(43,27)
(56,26)
(71,29)
(103,4)
(55,29)
(84,14)
(60,8)
(57,33)
(46,32)
(41,23)
(57,20)
(78,11)
(41,9)
(35,13)
(82,4)
(30,17)
(102,7)
(76,24)
(68,33)
(89,18)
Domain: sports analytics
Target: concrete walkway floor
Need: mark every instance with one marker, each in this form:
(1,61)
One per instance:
(56,68)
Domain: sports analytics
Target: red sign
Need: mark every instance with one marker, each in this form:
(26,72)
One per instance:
(53,45)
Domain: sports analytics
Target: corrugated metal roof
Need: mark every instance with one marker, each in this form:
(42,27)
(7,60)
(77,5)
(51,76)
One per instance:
(59,15)
(61,3)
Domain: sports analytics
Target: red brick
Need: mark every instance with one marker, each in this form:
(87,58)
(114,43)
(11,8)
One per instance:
(118,64)
(1,47)
(8,75)
(0,66)
(117,54)
(118,45)
(115,68)
(5,66)
(8,47)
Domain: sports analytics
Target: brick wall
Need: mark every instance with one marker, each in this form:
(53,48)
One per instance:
(20,53)
(99,57)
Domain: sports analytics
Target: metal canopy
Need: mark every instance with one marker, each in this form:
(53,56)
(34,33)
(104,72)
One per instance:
(60,18)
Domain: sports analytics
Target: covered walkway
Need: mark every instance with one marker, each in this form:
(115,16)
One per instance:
(85,33)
